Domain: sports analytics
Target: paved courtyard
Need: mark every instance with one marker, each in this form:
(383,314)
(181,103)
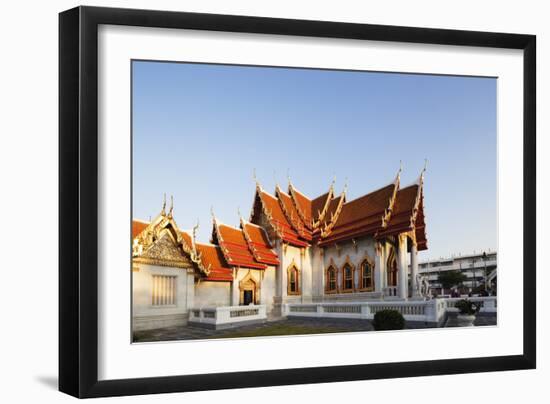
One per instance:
(291,326)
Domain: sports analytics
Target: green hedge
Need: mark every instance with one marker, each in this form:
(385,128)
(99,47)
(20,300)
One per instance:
(388,320)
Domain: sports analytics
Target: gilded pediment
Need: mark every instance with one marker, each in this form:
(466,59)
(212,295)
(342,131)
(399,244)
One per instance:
(164,251)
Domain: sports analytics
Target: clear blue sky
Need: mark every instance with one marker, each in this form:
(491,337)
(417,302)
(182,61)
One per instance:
(200,130)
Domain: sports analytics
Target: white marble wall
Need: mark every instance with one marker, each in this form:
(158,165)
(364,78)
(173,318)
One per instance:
(147,316)
(211,294)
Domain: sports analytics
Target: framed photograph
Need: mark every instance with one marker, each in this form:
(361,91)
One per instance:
(250,201)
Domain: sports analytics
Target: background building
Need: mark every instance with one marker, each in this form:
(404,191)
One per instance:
(479,267)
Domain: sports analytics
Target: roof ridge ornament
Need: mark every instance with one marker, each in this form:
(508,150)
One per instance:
(258,185)
(171,211)
(288,178)
(421,178)
(212,213)
(163,211)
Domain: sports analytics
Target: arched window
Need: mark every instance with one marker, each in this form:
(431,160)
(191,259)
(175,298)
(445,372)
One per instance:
(293,280)
(366,275)
(347,272)
(331,279)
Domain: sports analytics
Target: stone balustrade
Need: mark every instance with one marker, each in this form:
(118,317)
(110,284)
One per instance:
(227,316)
(431,311)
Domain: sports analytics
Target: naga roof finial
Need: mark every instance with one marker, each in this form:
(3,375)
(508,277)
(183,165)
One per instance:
(421,179)
(345,186)
(258,186)
(171,206)
(163,211)
(398,175)
(288,177)
(195,229)
(212,214)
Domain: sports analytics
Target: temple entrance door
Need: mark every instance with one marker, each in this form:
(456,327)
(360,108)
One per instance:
(248,297)
(248,292)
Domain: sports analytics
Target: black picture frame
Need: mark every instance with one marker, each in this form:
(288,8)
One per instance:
(78,201)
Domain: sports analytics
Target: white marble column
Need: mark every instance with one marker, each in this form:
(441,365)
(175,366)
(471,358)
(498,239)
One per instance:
(379,267)
(414,271)
(235,289)
(402,276)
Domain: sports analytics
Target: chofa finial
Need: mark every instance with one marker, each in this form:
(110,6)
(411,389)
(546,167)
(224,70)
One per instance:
(212,213)
(163,211)
(171,206)
(195,229)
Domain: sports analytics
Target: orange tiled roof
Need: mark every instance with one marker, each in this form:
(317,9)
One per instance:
(318,204)
(234,246)
(303,206)
(403,210)
(278,220)
(259,244)
(137,227)
(187,240)
(292,215)
(213,259)
(362,216)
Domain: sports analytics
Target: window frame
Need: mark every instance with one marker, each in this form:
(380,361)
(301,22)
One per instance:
(293,268)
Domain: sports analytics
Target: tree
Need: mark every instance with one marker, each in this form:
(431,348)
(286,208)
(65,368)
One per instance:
(449,279)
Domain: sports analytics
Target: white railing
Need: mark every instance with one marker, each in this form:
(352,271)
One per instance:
(412,310)
(227,315)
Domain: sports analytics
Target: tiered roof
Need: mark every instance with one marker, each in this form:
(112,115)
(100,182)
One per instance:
(211,257)
(259,243)
(234,246)
(271,207)
(362,216)
(328,219)
(299,221)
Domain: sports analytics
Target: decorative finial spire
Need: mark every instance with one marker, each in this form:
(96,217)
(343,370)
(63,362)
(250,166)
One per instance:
(212,214)
(288,177)
(345,186)
(421,178)
(171,206)
(163,211)
(398,175)
(256,179)
(333,182)
(195,229)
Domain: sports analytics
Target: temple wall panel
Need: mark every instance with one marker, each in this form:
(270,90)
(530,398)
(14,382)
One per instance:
(160,296)
(211,294)
(302,259)
(346,252)
(268,287)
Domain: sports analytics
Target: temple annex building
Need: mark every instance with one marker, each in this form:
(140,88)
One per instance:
(293,250)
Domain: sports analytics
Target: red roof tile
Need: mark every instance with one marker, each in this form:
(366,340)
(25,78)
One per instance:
(292,215)
(234,246)
(212,259)
(362,216)
(259,244)
(137,227)
(319,204)
(402,212)
(278,220)
(187,239)
(303,205)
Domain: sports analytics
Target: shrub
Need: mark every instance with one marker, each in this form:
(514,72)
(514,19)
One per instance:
(467,307)
(388,320)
